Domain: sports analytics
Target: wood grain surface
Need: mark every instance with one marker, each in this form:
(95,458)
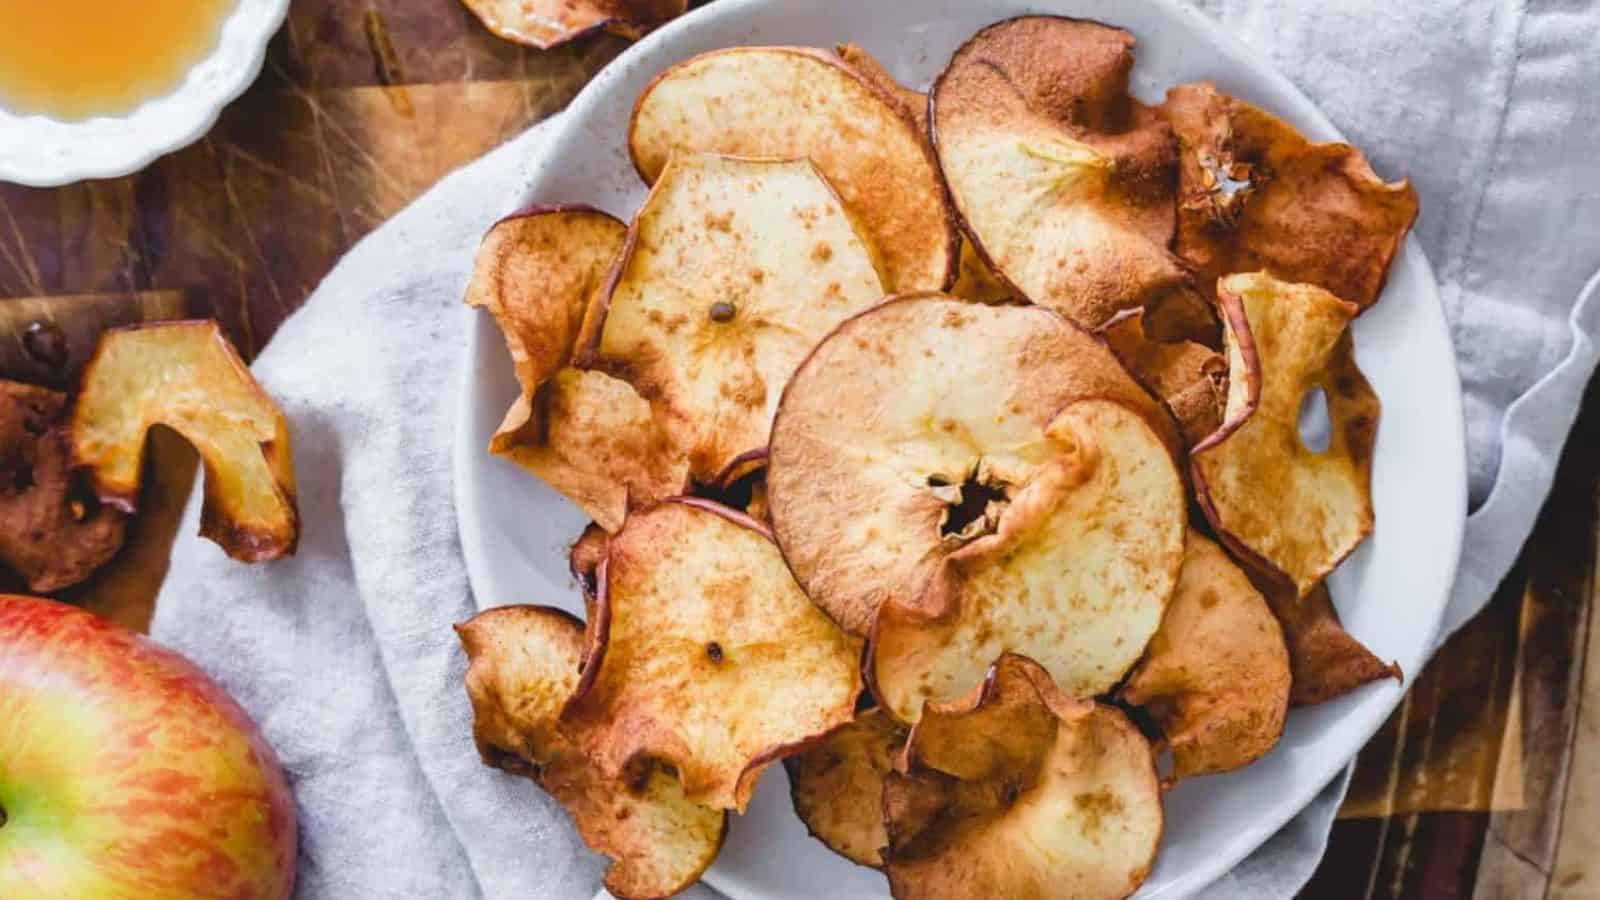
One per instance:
(1485,783)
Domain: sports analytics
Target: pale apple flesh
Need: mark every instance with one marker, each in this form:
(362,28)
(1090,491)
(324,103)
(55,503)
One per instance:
(550,23)
(126,772)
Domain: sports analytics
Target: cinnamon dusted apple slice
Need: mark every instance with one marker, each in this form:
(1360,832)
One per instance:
(1325,660)
(913,104)
(1190,378)
(1062,181)
(1018,791)
(188,377)
(522,666)
(549,23)
(802,103)
(1255,194)
(1275,502)
(1216,676)
(735,268)
(837,786)
(705,655)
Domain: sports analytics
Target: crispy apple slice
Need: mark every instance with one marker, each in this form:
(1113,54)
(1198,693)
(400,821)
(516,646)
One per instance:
(837,786)
(1216,676)
(1021,792)
(522,667)
(904,428)
(801,103)
(1190,378)
(735,269)
(1255,194)
(1276,503)
(913,104)
(188,377)
(550,23)
(1063,182)
(52,532)
(1325,661)
(705,655)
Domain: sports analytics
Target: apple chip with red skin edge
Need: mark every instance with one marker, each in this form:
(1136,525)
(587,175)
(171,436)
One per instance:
(735,268)
(1190,378)
(187,376)
(1215,678)
(550,23)
(522,667)
(705,655)
(1020,792)
(1254,194)
(1325,660)
(1278,505)
(837,786)
(804,103)
(1062,181)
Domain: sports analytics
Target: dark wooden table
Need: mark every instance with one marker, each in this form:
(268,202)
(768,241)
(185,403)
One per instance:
(1485,783)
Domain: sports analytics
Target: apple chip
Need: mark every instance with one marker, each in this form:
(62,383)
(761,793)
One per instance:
(1021,792)
(549,23)
(918,431)
(188,377)
(837,786)
(913,104)
(1255,194)
(1275,502)
(1325,661)
(1216,676)
(1190,378)
(705,655)
(522,666)
(735,269)
(801,103)
(1063,182)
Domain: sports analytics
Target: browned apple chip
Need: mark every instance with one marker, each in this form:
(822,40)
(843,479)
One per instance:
(548,23)
(188,377)
(1190,378)
(735,269)
(913,104)
(1216,676)
(837,786)
(1255,194)
(1062,181)
(1275,502)
(801,103)
(522,667)
(1021,792)
(1325,661)
(705,655)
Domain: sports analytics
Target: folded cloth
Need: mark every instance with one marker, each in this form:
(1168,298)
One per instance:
(345,654)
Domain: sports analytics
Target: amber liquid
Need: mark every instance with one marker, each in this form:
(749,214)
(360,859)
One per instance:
(72,59)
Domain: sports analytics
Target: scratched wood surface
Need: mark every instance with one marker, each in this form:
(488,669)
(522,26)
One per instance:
(1484,784)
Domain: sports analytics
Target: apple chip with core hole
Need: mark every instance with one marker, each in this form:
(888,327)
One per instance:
(188,377)
(1021,792)
(548,23)
(1216,676)
(1062,181)
(1277,503)
(705,655)
(522,666)
(1255,194)
(837,786)
(1190,378)
(801,103)
(734,270)
(1325,661)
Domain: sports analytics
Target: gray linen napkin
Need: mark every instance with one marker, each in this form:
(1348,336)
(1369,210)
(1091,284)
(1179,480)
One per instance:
(345,654)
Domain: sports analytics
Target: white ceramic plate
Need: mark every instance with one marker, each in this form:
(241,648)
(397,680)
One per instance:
(42,152)
(515,531)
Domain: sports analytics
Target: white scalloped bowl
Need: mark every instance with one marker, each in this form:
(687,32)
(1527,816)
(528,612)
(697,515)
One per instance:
(38,151)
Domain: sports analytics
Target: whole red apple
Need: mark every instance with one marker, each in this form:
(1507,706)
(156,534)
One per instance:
(126,773)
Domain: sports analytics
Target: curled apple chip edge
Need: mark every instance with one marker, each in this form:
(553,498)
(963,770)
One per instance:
(1215,677)
(1189,377)
(796,103)
(53,532)
(682,665)
(1063,183)
(522,665)
(551,23)
(837,786)
(734,269)
(1255,194)
(1279,506)
(1325,660)
(133,383)
(1019,791)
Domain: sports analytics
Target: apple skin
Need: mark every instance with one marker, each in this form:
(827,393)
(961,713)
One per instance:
(126,772)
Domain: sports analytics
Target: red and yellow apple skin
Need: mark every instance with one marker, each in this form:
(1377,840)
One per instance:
(126,773)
